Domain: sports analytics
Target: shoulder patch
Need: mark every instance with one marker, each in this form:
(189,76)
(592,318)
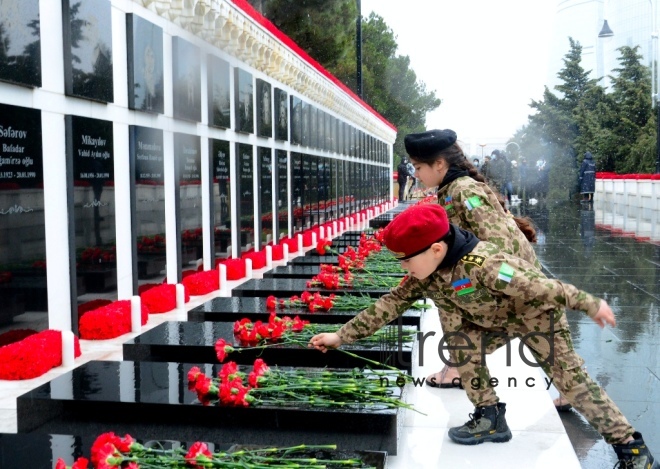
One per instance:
(473,202)
(473,259)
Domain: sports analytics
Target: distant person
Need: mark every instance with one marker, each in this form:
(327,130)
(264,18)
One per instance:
(475,163)
(402,177)
(497,170)
(412,181)
(542,178)
(506,188)
(485,168)
(587,178)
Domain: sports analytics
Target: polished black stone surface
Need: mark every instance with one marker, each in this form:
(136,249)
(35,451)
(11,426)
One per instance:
(626,273)
(306,271)
(20,61)
(301,271)
(194,342)
(254,308)
(43,450)
(381,221)
(311,258)
(88,67)
(282,287)
(151,399)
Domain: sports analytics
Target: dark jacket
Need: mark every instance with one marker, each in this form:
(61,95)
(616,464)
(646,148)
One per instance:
(402,172)
(587,177)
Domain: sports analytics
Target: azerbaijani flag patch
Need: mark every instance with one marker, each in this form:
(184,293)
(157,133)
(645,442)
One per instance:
(463,286)
(448,204)
(473,202)
(506,272)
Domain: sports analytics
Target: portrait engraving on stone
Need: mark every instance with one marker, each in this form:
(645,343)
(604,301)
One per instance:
(281,103)
(264,109)
(145,65)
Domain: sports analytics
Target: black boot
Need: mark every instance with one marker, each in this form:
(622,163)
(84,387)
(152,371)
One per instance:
(485,424)
(635,455)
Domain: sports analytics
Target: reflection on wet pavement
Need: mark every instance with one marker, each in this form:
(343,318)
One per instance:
(624,360)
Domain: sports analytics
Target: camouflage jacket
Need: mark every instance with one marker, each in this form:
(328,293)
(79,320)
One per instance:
(473,206)
(486,287)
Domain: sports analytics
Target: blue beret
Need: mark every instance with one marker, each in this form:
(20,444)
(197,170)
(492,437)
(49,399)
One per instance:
(430,143)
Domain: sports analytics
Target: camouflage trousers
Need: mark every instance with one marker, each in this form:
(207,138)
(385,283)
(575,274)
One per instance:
(554,352)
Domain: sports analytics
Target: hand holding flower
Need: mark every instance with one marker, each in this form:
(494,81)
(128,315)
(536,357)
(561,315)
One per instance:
(324,341)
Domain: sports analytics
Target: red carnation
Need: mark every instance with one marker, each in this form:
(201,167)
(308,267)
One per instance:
(222,349)
(271,302)
(193,373)
(198,453)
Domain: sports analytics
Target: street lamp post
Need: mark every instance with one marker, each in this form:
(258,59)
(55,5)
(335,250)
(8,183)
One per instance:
(606,31)
(482,145)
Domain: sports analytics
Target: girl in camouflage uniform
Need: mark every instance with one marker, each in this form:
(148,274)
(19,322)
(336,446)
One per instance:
(470,204)
(497,296)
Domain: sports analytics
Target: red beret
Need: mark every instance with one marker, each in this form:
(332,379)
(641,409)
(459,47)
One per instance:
(415,229)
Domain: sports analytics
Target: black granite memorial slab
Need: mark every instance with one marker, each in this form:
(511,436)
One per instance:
(296,120)
(193,342)
(245,188)
(22,230)
(265,202)
(305,123)
(220,196)
(219,92)
(43,450)
(282,287)
(243,101)
(20,61)
(147,203)
(264,109)
(283,204)
(186,80)
(145,65)
(151,399)
(90,157)
(381,221)
(87,33)
(187,155)
(254,308)
(309,271)
(281,102)
(293,271)
(314,259)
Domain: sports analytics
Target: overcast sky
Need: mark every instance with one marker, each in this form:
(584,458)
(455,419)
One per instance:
(485,59)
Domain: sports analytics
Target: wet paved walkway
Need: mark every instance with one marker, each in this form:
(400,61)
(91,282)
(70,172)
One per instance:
(624,360)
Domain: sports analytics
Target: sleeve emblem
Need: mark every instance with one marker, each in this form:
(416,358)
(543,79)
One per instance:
(473,202)
(506,272)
